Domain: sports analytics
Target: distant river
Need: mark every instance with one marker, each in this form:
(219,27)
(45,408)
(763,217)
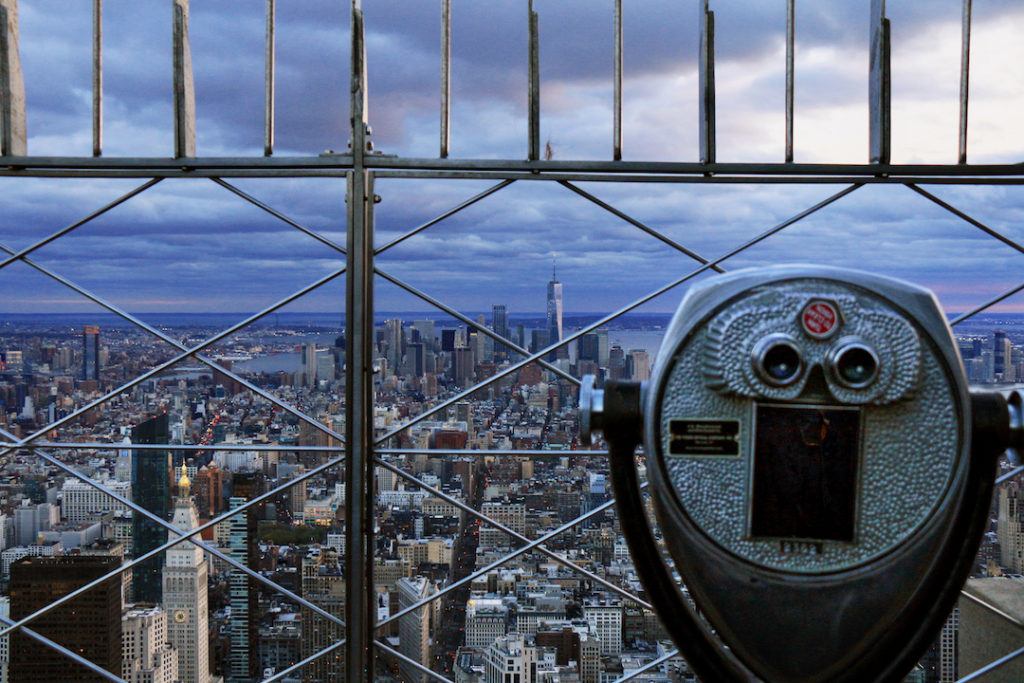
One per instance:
(287,361)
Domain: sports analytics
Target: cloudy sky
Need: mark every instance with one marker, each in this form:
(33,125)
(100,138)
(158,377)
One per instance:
(192,246)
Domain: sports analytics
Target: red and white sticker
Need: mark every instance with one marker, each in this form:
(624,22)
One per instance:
(819,318)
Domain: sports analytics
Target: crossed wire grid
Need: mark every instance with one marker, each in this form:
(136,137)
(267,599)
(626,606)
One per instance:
(538,357)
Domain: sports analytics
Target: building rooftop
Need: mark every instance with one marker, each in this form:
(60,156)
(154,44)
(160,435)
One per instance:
(1004,594)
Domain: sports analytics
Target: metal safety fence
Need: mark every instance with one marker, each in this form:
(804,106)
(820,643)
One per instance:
(362,448)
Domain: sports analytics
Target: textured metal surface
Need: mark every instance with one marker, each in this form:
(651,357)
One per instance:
(13,130)
(910,449)
(965,80)
(269,81)
(879,85)
(184,85)
(732,335)
(706,83)
(97,78)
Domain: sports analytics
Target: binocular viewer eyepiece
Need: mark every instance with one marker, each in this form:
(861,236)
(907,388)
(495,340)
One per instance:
(820,473)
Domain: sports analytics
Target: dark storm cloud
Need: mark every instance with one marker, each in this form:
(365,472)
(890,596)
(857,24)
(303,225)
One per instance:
(192,245)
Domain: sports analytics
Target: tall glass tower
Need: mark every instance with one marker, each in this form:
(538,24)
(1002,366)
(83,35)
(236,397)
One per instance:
(151,488)
(554,310)
(499,323)
(91,352)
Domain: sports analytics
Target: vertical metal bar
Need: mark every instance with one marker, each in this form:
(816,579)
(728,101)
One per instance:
(446,75)
(965,78)
(879,85)
(184,86)
(97,78)
(534,87)
(790,50)
(706,83)
(268,94)
(617,127)
(13,136)
(359,381)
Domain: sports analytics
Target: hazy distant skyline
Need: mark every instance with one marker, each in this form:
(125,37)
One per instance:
(192,246)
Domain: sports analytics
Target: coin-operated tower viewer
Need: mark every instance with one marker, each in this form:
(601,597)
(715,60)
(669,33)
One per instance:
(820,473)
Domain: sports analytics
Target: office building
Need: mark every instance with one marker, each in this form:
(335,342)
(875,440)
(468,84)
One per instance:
(309,364)
(499,324)
(511,515)
(5,641)
(605,617)
(147,656)
(208,490)
(509,658)
(185,592)
(486,620)
(81,502)
(426,331)
(593,346)
(151,490)
(1010,527)
(394,339)
(89,624)
(948,639)
(415,359)
(1001,355)
(324,586)
(414,627)
(639,365)
(91,352)
(462,365)
(243,658)
(447,340)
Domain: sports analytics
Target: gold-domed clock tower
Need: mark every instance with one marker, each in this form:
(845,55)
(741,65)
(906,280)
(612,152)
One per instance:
(185,575)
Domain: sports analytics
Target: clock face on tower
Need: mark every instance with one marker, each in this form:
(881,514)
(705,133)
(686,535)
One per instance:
(180,616)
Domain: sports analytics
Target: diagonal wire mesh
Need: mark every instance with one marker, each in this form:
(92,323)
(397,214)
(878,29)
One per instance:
(505,172)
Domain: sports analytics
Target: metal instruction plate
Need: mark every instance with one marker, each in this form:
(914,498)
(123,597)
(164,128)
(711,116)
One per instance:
(703,437)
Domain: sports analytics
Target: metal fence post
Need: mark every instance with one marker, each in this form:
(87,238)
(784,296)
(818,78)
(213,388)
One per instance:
(359,381)
(13,137)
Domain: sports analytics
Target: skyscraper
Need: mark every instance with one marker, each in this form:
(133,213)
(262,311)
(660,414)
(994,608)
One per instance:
(147,656)
(415,359)
(91,352)
(639,365)
(151,489)
(1001,355)
(593,346)
(448,340)
(243,659)
(414,627)
(323,585)
(554,325)
(185,599)
(394,338)
(499,323)
(309,364)
(1010,527)
(89,625)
